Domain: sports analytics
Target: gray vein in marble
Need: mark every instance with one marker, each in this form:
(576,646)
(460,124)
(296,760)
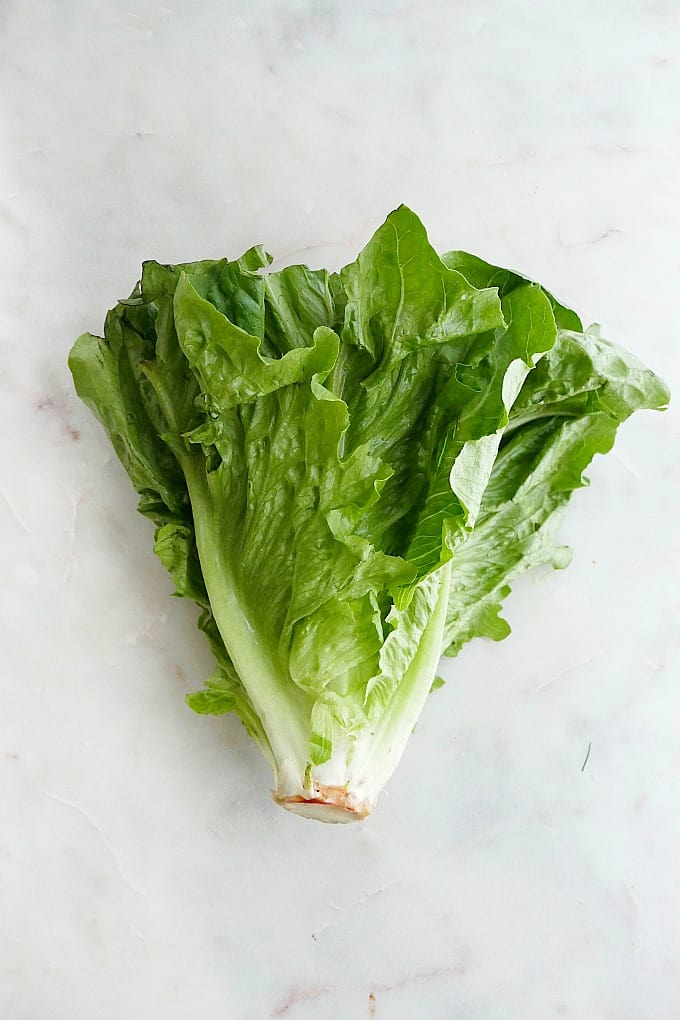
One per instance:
(73,806)
(14,512)
(346,911)
(298,995)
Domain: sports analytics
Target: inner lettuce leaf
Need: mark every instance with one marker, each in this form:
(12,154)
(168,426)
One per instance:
(345,472)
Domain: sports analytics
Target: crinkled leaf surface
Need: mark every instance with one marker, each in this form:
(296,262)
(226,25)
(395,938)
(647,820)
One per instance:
(346,470)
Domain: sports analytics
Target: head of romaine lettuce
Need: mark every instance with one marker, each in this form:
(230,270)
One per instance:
(345,471)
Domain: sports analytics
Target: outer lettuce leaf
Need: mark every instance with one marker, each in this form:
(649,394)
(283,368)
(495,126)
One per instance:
(482,274)
(567,411)
(401,296)
(585,373)
(478,401)
(298,301)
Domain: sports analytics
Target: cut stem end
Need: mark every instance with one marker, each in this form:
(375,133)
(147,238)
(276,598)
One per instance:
(326,804)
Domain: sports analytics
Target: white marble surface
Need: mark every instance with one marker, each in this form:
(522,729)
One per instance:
(144,872)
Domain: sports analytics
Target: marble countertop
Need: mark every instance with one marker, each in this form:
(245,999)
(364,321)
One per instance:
(144,871)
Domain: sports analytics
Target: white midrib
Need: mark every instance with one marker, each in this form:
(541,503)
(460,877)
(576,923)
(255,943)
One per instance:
(378,756)
(283,710)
